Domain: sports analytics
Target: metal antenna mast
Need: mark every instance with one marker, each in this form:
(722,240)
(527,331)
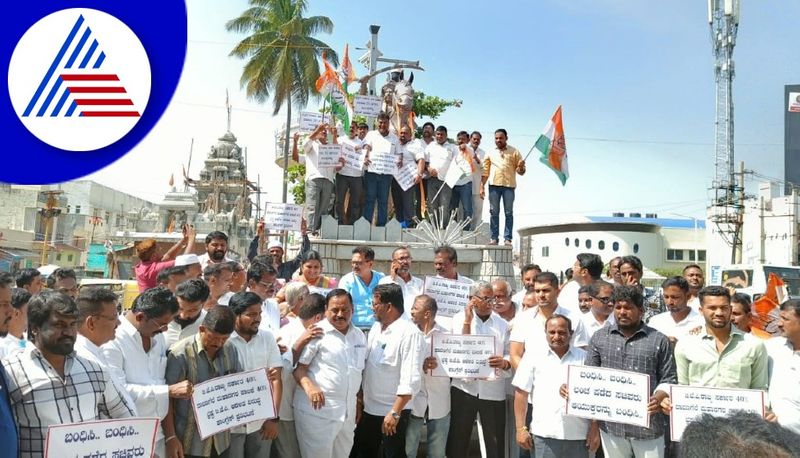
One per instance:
(723,17)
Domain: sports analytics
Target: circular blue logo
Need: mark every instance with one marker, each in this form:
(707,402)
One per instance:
(86,83)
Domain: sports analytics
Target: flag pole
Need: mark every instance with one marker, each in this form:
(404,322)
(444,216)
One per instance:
(529,152)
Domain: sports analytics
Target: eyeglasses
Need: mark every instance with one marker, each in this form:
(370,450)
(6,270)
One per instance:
(604,300)
(488,299)
(160,326)
(270,287)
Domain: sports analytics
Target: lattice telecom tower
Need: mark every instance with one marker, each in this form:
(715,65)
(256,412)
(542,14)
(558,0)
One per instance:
(723,17)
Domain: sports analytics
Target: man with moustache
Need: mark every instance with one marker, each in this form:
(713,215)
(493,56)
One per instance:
(601,312)
(191,296)
(784,367)
(8,429)
(360,283)
(328,377)
(15,340)
(539,377)
(391,377)
(419,189)
(477,198)
(137,355)
(431,405)
(216,249)
(631,345)
(193,360)
(527,273)
(376,182)
(48,384)
(400,274)
(404,200)
(262,280)
(257,350)
(219,278)
(439,155)
(349,180)
(191,263)
(679,319)
(500,169)
(461,193)
(694,276)
(274,256)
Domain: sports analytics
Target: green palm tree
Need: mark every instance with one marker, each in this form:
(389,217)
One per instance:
(282,56)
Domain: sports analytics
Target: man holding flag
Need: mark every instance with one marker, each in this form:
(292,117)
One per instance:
(500,168)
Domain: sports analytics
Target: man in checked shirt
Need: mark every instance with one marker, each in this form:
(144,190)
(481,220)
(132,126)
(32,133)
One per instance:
(631,345)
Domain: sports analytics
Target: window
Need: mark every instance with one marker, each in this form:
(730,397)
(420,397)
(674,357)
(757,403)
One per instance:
(691,255)
(577,243)
(601,245)
(701,255)
(635,248)
(566,241)
(588,244)
(69,258)
(77,209)
(674,255)
(615,246)
(545,251)
(58,257)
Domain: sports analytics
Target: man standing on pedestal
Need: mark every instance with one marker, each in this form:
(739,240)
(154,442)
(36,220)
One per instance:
(376,181)
(499,170)
(439,155)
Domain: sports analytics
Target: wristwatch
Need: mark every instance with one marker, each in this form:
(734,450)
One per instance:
(394,415)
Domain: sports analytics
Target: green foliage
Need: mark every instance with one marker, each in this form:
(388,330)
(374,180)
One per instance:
(675,271)
(431,106)
(295,176)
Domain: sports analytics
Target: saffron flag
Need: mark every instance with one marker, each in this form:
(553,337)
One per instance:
(330,87)
(553,147)
(348,74)
(766,309)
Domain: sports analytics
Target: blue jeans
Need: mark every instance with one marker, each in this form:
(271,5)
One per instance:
(495,193)
(437,436)
(462,195)
(376,185)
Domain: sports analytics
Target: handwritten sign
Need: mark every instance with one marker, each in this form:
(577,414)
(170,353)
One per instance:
(689,402)
(463,356)
(608,395)
(406,175)
(367,105)
(232,400)
(316,289)
(109,438)
(451,296)
(329,155)
(309,120)
(353,159)
(283,217)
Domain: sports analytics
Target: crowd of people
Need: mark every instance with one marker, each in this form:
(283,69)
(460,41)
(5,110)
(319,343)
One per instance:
(350,365)
(349,193)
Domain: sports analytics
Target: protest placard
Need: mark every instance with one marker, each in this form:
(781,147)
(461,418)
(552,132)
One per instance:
(123,437)
(608,395)
(316,289)
(232,400)
(463,356)
(309,120)
(406,175)
(451,296)
(352,158)
(367,105)
(329,155)
(689,402)
(283,217)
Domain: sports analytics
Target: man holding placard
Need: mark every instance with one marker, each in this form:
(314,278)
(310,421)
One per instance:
(439,155)
(318,179)
(328,374)
(381,161)
(350,180)
(538,378)
(392,375)
(487,397)
(257,349)
(404,200)
(196,359)
(432,404)
(631,345)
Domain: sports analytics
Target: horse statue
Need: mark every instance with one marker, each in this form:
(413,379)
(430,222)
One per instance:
(398,100)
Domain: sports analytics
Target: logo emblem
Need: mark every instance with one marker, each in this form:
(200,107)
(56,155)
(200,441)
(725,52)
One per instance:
(79,79)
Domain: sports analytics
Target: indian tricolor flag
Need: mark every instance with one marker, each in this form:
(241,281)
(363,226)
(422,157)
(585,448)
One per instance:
(330,87)
(553,147)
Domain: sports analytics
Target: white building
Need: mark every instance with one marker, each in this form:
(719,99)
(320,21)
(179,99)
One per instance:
(661,243)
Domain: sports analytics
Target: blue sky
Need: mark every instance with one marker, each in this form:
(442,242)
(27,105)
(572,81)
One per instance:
(635,79)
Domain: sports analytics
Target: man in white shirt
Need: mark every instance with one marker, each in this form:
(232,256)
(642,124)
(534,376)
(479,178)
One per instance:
(404,200)
(400,274)
(382,156)
(328,375)
(219,278)
(350,180)
(466,160)
(137,357)
(601,312)
(97,323)
(445,263)
(190,262)
(216,250)
(422,187)
(318,180)
(588,268)
(528,331)
(392,376)
(191,296)
(784,367)
(262,280)
(257,349)
(295,335)
(485,397)
(527,273)
(477,197)
(538,380)
(694,276)
(439,155)
(432,404)
(16,339)
(679,319)
(6,310)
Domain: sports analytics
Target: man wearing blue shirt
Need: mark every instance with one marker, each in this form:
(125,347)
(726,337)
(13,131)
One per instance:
(360,283)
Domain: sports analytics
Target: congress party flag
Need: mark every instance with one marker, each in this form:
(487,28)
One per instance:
(330,87)
(553,147)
